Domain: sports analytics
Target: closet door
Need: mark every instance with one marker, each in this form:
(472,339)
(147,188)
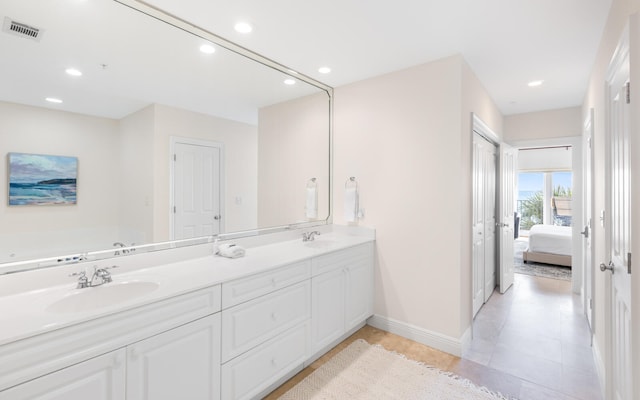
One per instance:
(484,220)
(490,159)
(478,225)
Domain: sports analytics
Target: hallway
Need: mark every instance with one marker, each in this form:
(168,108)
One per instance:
(533,342)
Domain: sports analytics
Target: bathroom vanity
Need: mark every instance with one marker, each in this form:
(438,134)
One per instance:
(203,327)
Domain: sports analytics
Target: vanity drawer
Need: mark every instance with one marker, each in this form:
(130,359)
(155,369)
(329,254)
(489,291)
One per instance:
(249,324)
(341,258)
(244,289)
(248,375)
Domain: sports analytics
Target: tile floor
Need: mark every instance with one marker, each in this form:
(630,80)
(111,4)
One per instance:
(531,343)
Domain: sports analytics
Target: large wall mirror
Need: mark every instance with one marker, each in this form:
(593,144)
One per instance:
(176,134)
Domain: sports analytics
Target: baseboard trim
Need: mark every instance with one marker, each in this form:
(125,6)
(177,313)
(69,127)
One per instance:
(432,339)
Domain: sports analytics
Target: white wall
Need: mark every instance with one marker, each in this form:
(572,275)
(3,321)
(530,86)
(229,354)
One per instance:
(596,99)
(29,231)
(136,177)
(406,137)
(293,144)
(549,124)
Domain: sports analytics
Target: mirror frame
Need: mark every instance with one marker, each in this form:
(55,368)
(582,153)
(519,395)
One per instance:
(162,16)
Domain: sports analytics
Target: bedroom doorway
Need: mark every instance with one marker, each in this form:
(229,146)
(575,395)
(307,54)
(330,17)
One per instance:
(559,173)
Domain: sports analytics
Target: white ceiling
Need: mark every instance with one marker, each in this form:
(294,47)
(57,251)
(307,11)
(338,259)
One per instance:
(507,43)
(129,61)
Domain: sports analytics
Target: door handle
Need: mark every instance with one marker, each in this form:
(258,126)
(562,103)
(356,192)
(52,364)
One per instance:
(217,217)
(609,267)
(585,232)
(502,225)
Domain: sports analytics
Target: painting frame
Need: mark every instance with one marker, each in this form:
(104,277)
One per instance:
(41,179)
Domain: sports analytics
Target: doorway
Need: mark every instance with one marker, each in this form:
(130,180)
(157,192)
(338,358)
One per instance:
(196,189)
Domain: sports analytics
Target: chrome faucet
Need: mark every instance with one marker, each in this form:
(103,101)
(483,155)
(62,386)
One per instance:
(100,277)
(309,236)
(121,245)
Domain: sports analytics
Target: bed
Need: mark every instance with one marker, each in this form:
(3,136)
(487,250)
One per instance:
(549,244)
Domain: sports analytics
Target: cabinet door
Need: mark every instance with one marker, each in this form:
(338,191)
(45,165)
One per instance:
(183,363)
(327,308)
(359,293)
(100,378)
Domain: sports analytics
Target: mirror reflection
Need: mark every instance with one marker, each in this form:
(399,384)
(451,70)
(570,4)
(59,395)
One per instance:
(175,136)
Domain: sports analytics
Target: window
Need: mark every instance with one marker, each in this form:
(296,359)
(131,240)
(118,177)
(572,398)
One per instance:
(534,198)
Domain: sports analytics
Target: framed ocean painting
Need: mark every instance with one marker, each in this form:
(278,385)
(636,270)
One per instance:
(36,179)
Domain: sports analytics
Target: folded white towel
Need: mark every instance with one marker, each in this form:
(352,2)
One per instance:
(230,250)
(312,203)
(350,204)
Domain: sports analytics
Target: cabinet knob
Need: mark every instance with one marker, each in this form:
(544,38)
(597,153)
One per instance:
(274,316)
(274,362)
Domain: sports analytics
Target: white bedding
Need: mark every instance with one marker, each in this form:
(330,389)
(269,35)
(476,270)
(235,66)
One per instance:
(550,239)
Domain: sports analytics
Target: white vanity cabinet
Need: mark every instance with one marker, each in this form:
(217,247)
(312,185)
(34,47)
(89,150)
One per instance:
(239,338)
(183,363)
(169,349)
(342,294)
(265,329)
(99,378)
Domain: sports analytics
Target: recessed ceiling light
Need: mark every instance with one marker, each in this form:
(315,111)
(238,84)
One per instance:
(324,70)
(53,100)
(243,27)
(73,72)
(207,49)
(289,81)
(535,83)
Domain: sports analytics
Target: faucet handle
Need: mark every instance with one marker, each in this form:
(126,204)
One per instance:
(80,274)
(83,280)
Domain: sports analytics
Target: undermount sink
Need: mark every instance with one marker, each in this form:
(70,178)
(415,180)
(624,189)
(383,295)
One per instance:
(319,243)
(92,298)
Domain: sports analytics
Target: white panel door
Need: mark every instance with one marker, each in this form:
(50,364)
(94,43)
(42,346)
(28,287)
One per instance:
(183,363)
(506,205)
(484,220)
(490,220)
(100,378)
(478,226)
(587,237)
(618,177)
(196,183)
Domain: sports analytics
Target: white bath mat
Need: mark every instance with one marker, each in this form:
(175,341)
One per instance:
(362,371)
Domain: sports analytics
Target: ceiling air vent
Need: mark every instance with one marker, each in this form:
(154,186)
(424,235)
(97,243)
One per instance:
(21,29)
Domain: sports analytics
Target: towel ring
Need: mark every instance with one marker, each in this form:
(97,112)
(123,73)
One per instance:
(311,183)
(351,182)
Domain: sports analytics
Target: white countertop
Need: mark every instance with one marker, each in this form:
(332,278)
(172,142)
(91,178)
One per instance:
(24,313)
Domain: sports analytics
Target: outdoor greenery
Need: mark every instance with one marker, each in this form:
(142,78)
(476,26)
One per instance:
(531,209)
